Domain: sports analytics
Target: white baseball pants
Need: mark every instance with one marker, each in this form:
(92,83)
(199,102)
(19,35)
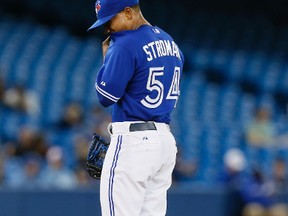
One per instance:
(137,171)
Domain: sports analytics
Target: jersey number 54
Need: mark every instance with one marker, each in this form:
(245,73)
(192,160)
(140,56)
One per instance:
(154,84)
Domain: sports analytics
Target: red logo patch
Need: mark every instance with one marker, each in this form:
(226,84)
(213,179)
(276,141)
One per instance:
(97,7)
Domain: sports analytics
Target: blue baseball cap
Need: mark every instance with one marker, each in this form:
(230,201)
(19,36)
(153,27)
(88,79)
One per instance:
(107,9)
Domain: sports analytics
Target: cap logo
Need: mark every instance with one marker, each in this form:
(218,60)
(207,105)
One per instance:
(97,7)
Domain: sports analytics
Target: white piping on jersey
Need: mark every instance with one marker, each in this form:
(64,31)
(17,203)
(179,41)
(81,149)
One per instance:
(106,94)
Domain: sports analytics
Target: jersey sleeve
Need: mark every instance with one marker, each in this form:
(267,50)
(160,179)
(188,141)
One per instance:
(113,76)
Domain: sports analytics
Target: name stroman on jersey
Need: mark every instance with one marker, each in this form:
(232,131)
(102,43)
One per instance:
(161,48)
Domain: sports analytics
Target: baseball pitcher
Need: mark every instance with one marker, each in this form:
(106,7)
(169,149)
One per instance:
(140,79)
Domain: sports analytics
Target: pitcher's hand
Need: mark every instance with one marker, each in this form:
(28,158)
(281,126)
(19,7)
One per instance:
(105,45)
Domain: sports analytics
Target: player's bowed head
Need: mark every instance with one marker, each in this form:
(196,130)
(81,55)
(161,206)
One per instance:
(117,15)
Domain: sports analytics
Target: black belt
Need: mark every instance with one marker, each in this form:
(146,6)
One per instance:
(143,126)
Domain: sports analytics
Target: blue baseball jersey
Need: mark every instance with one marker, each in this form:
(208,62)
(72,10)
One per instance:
(140,75)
